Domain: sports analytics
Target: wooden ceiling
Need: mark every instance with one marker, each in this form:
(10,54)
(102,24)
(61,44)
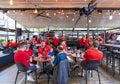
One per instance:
(61,18)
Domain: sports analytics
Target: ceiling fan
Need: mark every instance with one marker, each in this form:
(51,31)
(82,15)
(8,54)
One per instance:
(41,14)
(86,10)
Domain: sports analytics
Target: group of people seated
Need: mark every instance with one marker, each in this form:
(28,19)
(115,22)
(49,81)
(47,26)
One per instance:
(57,53)
(85,41)
(11,43)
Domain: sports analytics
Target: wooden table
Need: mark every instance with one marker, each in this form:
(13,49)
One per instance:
(44,61)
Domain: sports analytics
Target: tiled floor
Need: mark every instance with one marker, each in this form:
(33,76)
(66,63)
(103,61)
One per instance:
(8,76)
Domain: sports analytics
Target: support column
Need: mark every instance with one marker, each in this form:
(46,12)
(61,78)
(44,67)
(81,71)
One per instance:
(88,24)
(15,30)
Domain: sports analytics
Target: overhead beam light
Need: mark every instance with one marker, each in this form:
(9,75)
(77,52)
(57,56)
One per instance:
(11,2)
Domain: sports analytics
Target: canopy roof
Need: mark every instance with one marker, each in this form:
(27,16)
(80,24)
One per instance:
(62,13)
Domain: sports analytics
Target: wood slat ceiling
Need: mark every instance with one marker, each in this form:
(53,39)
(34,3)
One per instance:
(28,18)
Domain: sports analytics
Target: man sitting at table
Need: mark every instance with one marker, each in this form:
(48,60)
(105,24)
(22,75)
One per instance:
(22,57)
(91,54)
(43,50)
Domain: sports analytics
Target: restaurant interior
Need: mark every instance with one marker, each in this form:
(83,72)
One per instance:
(58,22)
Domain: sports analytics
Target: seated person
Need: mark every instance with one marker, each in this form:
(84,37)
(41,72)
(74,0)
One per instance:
(51,53)
(91,54)
(22,57)
(14,44)
(7,44)
(43,50)
(29,51)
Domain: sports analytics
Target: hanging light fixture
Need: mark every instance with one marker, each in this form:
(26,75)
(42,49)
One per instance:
(99,11)
(14,11)
(59,12)
(110,17)
(54,14)
(11,2)
(36,11)
(73,19)
(47,14)
(67,16)
(118,13)
(89,21)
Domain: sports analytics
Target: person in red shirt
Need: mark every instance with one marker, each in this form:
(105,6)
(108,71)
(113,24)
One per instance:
(55,41)
(87,41)
(29,50)
(33,40)
(39,40)
(22,57)
(47,42)
(82,41)
(7,44)
(92,54)
(101,40)
(43,50)
(63,38)
(14,44)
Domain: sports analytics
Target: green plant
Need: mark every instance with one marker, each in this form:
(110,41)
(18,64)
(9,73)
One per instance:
(1,41)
